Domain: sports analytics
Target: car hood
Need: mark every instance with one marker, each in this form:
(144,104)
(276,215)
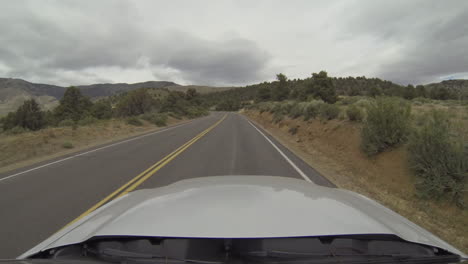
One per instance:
(241,207)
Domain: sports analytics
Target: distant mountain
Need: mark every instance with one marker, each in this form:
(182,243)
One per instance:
(13,92)
(108,89)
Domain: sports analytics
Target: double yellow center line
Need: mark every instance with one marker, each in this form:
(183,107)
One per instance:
(138,180)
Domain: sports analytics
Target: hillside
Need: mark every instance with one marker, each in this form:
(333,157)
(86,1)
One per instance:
(13,92)
(456,89)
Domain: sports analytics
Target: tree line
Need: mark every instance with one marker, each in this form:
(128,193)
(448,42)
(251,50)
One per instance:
(321,86)
(76,109)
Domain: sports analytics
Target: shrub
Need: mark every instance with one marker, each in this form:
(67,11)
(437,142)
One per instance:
(439,160)
(421,100)
(355,113)
(66,122)
(349,100)
(135,102)
(73,105)
(298,109)
(275,108)
(67,145)
(387,124)
(156,118)
(134,121)
(364,103)
(287,107)
(17,130)
(277,117)
(329,111)
(293,130)
(193,112)
(88,120)
(312,108)
(102,109)
(28,116)
(174,115)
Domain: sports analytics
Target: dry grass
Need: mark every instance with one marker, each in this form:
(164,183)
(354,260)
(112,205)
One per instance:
(333,149)
(28,148)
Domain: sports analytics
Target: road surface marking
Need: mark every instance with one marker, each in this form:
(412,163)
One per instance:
(282,154)
(90,151)
(140,178)
(140,181)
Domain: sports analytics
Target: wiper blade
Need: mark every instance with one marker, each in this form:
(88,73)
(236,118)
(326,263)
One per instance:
(123,254)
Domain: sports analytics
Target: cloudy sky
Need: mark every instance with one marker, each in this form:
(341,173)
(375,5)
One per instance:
(221,42)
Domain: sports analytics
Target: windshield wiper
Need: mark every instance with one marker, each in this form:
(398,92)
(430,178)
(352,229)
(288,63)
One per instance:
(285,257)
(117,254)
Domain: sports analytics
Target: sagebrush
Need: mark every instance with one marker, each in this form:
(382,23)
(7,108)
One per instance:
(387,124)
(439,158)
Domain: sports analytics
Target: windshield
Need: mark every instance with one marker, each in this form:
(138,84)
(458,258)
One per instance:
(234,118)
(332,249)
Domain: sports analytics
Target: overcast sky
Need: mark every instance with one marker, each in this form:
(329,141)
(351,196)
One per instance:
(232,42)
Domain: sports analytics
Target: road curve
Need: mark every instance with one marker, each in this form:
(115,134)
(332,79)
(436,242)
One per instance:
(37,203)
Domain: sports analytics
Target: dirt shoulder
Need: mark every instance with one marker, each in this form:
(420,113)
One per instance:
(332,148)
(28,148)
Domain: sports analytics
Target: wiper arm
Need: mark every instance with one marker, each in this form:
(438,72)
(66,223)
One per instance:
(123,254)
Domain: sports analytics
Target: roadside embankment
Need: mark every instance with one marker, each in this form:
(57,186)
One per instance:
(333,149)
(20,150)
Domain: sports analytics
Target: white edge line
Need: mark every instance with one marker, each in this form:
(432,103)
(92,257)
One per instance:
(282,154)
(93,150)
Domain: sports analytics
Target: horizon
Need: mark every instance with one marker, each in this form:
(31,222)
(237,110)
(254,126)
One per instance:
(217,86)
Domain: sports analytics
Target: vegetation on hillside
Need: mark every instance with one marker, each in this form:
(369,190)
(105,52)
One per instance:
(328,89)
(437,154)
(76,109)
(439,158)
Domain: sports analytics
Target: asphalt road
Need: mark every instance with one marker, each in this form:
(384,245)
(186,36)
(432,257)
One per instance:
(39,200)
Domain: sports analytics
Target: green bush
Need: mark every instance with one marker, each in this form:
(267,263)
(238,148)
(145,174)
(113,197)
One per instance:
(286,107)
(364,103)
(67,145)
(17,130)
(439,159)
(421,100)
(156,118)
(193,112)
(349,100)
(277,117)
(134,121)
(66,122)
(102,109)
(355,113)
(88,120)
(275,108)
(329,111)
(174,115)
(312,109)
(387,124)
(298,109)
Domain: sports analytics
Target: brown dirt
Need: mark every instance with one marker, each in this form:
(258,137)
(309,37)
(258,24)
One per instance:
(32,147)
(333,148)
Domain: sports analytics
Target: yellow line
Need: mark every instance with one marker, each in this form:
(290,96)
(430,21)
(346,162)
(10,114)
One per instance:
(140,178)
(140,181)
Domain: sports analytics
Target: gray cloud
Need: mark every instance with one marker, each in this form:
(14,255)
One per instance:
(38,46)
(231,43)
(429,38)
(232,61)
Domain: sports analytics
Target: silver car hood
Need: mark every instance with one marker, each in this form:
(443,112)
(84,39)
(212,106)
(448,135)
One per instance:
(241,207)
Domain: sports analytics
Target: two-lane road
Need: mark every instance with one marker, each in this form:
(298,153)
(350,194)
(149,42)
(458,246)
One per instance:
(35,204)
